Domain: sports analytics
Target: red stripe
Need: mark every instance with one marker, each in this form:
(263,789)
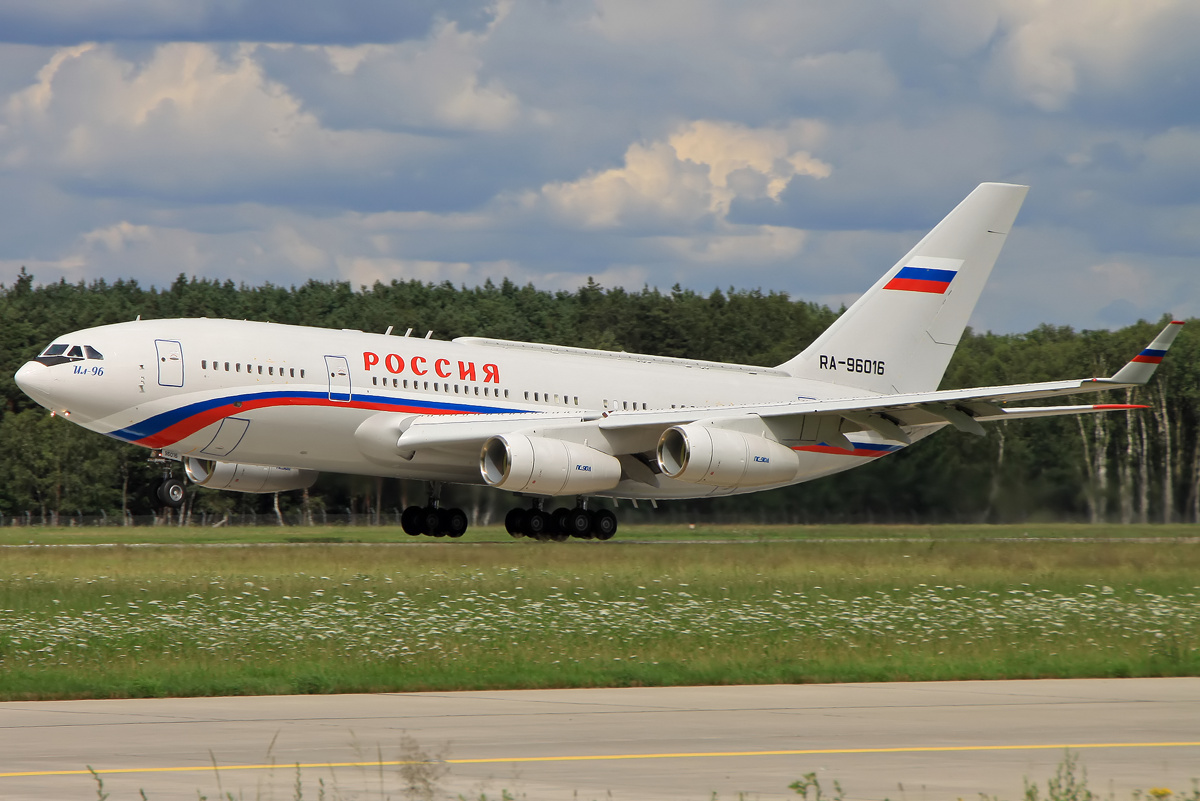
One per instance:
(1108,407)
(917,285)
(1148,359)
(841,451)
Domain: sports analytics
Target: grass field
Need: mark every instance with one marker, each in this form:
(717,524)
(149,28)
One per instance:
(133,621)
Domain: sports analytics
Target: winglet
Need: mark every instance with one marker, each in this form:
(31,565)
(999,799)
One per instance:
(1142,366)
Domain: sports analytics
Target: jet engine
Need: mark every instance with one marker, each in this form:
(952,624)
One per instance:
(247,477)
(544,466)
(719,457)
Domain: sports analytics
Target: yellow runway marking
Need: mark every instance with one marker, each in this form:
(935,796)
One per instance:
(608,757)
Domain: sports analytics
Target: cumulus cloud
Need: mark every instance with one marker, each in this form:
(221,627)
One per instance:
(694,173)
(1054,51)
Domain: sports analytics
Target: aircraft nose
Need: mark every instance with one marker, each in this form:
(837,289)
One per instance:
(34,380)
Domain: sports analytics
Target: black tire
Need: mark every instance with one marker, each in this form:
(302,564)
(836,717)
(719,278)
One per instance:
(431,521)
(538,524)
(605,527)
(456,523)
(171,492)
(579,523)
(410,520)
(560,518)
(514,522)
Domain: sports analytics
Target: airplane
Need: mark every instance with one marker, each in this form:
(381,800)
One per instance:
(261,407)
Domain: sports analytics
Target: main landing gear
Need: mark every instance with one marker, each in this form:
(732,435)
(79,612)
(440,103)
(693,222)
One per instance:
(432,520)
(562,524)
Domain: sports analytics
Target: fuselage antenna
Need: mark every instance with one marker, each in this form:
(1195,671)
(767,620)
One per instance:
(388,331)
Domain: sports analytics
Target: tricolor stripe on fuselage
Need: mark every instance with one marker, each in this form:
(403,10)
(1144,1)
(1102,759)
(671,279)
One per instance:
(922,279)
(170,427)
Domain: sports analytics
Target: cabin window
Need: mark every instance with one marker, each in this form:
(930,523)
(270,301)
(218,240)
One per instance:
(237,368)
(91,352)
(270,371)
(227,367)
(375,380)
(75,352)
(526,394)
(576,400)
(476,390)
(55,350)
(203,364)
(302,372)
(625,404)
(260,369)
(506,393)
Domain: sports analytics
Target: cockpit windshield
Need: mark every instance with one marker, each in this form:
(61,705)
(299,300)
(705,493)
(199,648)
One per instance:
(60,353)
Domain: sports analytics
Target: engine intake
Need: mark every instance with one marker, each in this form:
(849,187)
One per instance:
(544,466)
(718,457)
(247,477)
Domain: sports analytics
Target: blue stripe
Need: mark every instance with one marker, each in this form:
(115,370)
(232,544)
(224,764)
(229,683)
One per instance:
(926,274)
(1152,352)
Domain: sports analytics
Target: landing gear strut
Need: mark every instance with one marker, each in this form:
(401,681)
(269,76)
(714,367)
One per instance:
(433,520)
(579,522)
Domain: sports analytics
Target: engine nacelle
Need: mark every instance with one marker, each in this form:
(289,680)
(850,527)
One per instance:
(718,457)
(247,477)
(545,466)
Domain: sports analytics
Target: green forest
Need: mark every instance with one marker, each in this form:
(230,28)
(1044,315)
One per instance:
(1140,466)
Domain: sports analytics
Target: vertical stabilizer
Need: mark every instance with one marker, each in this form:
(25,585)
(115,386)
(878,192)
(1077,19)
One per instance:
(900,335)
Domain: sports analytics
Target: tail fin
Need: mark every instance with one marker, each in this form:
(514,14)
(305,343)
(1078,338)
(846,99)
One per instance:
(900,335)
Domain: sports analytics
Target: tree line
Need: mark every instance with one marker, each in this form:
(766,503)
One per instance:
(1135,466)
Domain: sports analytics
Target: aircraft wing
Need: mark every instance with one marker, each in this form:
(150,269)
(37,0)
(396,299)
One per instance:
(825,422)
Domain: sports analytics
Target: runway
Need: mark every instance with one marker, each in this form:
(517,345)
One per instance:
(942,740)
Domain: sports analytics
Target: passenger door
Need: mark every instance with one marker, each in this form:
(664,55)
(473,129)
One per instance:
(170,362)
(338,369)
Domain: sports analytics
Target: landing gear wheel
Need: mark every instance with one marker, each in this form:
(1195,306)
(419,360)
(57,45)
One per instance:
(605,525)
(558,532)
(538,524)
(410,520)
(578,523)
(171,492)
(455,522)
(431,521)
(514,522)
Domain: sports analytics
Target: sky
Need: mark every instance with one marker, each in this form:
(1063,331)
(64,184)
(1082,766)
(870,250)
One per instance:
(793,146)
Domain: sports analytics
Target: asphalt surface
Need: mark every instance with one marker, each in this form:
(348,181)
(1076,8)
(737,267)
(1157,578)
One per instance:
(907,742)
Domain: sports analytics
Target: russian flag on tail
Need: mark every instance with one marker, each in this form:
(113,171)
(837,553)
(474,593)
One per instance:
(1150,356)
(922,279)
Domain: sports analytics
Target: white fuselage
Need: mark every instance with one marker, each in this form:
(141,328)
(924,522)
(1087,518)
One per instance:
(294,396)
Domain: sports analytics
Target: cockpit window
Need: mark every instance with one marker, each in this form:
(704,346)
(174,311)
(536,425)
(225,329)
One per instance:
(59,353)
